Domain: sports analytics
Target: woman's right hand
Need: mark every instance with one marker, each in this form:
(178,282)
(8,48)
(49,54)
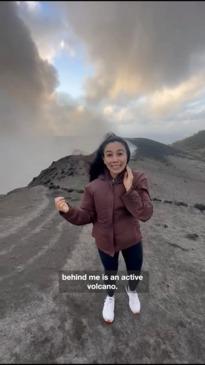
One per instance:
(61,204)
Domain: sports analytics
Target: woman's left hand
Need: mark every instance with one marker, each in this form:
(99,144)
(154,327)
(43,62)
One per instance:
(128,178)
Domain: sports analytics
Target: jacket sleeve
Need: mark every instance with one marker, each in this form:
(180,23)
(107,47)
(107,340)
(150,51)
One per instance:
(137,200)
(85,213)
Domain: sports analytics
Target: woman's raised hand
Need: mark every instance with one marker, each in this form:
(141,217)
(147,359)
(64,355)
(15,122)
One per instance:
(61,204)
(128,178)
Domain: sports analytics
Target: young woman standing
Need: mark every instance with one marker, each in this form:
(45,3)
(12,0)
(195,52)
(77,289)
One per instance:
(115,200)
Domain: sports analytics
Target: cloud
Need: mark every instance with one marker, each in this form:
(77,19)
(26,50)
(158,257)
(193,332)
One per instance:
(163,115)
(49,29)
(32,114)
(26,80)
(64,116)
(29,103)
(169,100)
(148,60)
(138,47)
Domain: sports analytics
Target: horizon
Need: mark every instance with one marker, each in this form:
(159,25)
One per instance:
(43,157)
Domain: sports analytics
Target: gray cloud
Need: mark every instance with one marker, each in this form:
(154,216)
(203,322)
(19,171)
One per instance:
(138,47)
(29,103)
(64,116)
(25,79)
(31,113)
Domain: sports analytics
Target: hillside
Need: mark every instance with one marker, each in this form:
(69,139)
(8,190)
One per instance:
(194,145)
(41,324)
(66,170)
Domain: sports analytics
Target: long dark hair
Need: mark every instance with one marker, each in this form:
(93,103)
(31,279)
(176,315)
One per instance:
(97,166)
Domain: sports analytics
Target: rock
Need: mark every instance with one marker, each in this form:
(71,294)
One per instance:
(192,236)
(201,207)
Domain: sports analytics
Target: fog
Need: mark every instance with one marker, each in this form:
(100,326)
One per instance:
(24,158)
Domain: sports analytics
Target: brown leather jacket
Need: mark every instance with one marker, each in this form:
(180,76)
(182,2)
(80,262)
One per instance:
(115,213)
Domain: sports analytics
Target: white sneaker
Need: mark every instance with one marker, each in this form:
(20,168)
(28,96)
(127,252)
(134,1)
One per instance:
(108,309)
(134,302)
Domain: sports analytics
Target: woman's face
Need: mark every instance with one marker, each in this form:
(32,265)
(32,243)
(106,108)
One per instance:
(115,157)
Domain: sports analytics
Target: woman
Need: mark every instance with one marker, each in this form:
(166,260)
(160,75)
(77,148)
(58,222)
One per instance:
(114,200)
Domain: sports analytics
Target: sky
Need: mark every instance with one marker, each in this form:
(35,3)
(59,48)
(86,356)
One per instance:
(82,69)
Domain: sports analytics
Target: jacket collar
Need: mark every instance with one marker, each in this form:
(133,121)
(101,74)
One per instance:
(107,176)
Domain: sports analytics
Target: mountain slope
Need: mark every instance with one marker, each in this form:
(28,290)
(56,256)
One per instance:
(148,148)
(64,171)
(194,145)
(36,244)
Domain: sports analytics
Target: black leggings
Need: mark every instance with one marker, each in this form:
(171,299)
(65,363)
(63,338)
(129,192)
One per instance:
(133,257)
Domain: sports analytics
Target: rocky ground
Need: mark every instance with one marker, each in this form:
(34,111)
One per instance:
(40,324)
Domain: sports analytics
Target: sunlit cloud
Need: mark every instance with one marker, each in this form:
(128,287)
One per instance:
(169,100)
(109,110)
(62,44)
(67,48)
(81,108)
(31,5)
(50,30)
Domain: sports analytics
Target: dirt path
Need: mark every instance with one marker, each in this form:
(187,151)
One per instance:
(40,324)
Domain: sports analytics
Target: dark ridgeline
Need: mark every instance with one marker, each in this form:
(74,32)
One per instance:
(78,165)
